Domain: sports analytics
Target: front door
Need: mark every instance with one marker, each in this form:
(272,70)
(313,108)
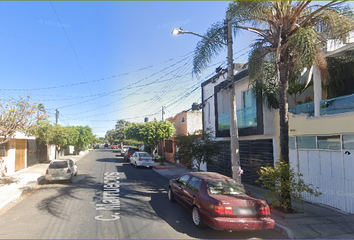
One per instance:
(20,156)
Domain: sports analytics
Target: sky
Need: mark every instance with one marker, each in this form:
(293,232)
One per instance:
(98,62)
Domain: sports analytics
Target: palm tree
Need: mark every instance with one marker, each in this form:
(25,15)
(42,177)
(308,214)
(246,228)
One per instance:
(292,36)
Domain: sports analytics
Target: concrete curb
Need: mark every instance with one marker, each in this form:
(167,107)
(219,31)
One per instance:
(24,188)
(21,191)
(283,230)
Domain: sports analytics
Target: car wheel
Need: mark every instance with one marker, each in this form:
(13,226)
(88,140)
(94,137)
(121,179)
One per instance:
(197,219)
(171,198)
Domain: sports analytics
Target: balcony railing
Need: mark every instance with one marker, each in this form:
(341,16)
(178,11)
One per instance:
(328,107)
(303,108)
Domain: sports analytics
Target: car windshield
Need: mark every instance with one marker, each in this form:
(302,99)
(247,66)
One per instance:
(225,187)
(144,155)
(59,164)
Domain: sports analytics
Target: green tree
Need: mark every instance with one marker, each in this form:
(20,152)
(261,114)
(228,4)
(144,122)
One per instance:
(117,135)
(291,36)
(84,139)
(150,133)
(196,148)
(19,115)
(63,137)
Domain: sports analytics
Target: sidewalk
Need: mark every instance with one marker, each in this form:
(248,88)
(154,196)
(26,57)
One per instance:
(316,221)
(24,181)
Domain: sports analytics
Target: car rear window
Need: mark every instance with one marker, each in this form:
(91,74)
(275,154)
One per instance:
(144,155)
(225,187)
(61,164)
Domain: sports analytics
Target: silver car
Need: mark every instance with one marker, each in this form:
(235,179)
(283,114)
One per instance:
(142,159)
(61,170)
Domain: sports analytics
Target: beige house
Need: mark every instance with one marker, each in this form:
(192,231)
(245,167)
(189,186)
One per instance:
(321,136)
(15,153)
(184,122)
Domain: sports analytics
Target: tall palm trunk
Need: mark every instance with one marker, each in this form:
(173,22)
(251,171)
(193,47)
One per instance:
(284,134)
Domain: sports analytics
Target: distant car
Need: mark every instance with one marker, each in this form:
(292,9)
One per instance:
(61,170)
(114,146)
(129,153)
(142,159)
(106,145)
(219,202)
(124,149)
(96,146)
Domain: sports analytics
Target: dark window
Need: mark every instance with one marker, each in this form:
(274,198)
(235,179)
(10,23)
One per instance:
(59,164)
(225,187)
(144,154)
(168,146)
(183,120)
(348,141)
(183,179)
(194,184)
(329,142)
(3,150)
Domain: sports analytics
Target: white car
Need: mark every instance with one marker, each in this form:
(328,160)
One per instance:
(142,159)
(61,170)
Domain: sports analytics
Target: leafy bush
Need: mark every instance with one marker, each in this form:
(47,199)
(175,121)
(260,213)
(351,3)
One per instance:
(283,179)
(197,148)
(160,159)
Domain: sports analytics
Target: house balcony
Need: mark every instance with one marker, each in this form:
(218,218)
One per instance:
(331,106)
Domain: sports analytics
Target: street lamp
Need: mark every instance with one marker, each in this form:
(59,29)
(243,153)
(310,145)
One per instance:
(235,153)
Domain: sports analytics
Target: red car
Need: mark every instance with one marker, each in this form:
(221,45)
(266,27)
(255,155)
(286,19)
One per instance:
(219,202)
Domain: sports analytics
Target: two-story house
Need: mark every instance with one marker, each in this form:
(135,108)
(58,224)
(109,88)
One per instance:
(256,127)
(322,132)
(185,122)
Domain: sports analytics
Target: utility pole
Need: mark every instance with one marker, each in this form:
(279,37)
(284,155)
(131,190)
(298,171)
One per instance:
(234,145)
(163,112)
(56,116)
(56,124)
(235,152)
(163,142)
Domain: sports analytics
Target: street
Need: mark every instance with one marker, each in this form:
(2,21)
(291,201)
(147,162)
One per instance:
(108,199)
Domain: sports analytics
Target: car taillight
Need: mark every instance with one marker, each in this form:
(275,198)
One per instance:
(139,159)
(264,210)
(152,159)
(224,210)
(46,172)
(68,171)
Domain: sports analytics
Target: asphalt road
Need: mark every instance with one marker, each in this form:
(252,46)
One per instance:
(136,207)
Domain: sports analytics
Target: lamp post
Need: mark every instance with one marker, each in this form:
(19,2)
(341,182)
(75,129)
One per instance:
(235,153)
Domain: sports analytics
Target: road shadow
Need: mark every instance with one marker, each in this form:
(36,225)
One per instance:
(53,204)
(161,209)
(7,180)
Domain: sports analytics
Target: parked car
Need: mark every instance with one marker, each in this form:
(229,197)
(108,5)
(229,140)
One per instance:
(106,145)
(61,170)
(129,152)
(142,159)
(219,202)
(124,149)
(96,146)
(114,146)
